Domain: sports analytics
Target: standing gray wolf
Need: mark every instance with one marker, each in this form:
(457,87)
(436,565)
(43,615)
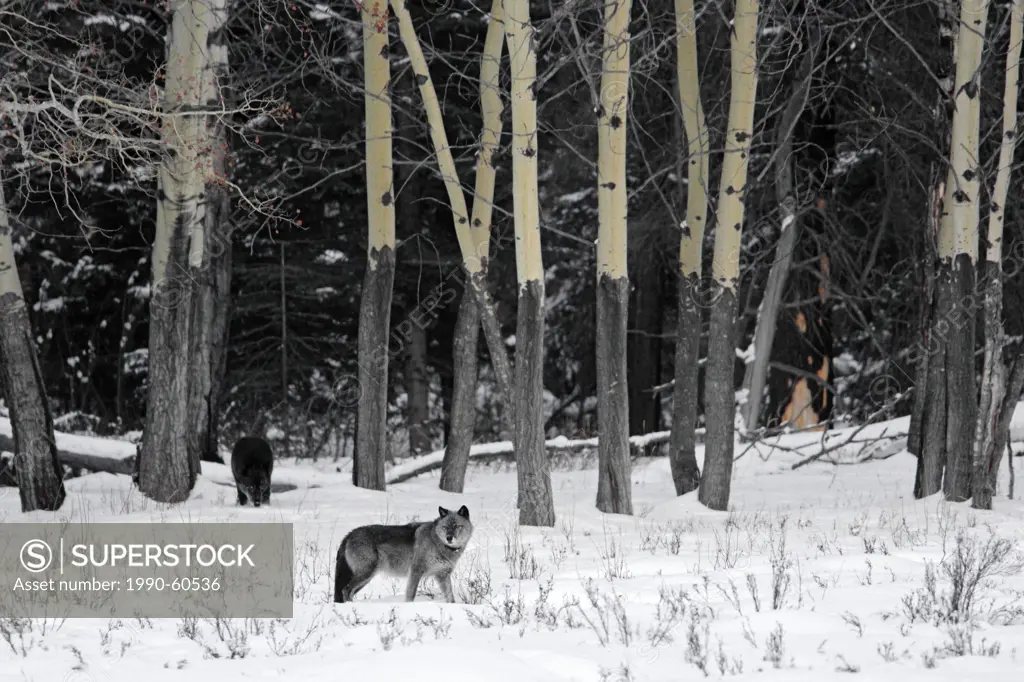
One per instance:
(252,463)
(418,550)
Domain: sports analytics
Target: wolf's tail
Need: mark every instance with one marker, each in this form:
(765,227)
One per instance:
(342,574)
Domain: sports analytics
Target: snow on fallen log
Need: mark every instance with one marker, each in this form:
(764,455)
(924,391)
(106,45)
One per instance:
(82,452)
(415,466)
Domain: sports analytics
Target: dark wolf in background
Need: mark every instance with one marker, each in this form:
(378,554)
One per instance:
(252,463)
(418,550)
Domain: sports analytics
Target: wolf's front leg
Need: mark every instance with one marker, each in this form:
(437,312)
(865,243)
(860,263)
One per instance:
(242,499)
(414,582)
(445,581)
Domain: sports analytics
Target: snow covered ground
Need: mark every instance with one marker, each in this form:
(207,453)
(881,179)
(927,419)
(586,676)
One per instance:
(815,574)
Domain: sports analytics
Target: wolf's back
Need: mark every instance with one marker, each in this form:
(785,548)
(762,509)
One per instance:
(251,454)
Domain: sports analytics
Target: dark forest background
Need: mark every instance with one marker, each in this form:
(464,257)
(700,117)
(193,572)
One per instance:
(868,154)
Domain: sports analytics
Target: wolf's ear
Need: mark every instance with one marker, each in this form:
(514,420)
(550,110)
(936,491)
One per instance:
(442,511)
(463,512)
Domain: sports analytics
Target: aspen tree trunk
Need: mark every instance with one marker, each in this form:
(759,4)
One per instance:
(463,412)
(916,432)
(756,370)
(166,472)
(931,432)
(474,255)
(536,505)
(682,451)
(378,284)
(212,296)
(958,253)
(614,492)
(933,456)
(720,404)
(993,379)
(40,476)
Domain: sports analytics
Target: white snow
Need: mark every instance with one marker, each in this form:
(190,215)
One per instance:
(813,573)
(323,12)
(575,197)
(86,445)
(331,256)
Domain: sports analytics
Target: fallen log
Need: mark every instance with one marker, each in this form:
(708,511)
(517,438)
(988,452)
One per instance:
(411,468)
(83,452)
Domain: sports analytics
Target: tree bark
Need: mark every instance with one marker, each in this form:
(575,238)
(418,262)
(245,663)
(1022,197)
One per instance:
(378,283)
(536,504)
(959,249)
(933,428)
(1001,432)
(463,410)
(614,490)
(682,453)
(39,474)
(990,412)
(915,435)
(475,296)
(210,304)
(167,472)
(719,388)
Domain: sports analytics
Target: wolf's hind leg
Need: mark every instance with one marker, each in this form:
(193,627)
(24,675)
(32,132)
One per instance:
(242,499)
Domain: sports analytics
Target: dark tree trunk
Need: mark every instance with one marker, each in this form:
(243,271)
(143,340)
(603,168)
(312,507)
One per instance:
(166,472)
(933,422)
(682,452)
(463,408)
(374,323)
(719,402)
(210,302)
(922,351)
(614,489)
(477,284)
(536,503)
(38,471)
(1015,384)
(418,391)
(220,334)
(644,347)
(961,392)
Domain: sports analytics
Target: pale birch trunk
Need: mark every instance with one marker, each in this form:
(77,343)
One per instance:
(927,437)
(463,412)
(166,472)
(378,283)
(40,476)
(958,252)
(720,404)
(993,378)
(614,490)
(683,449)
(536,505)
